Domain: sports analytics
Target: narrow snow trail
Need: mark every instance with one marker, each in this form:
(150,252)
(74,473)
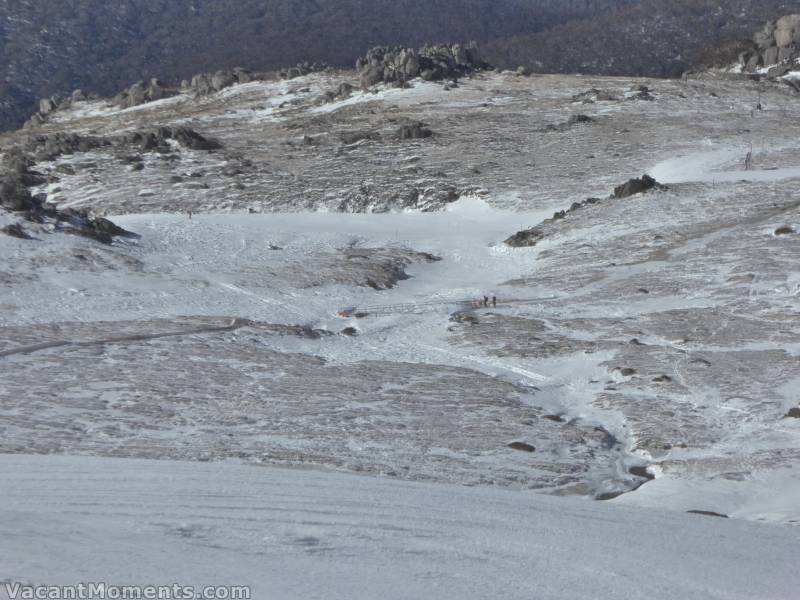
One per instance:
(308,534)
(710,167)
(29,349)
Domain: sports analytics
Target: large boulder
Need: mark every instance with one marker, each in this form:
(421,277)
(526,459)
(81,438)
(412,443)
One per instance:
(222,79)
(765,37)
(14,196)
(202,84)
(16,230)
(48,105)
(754,62)
(787,53)
(636,186)
(787,31)
(371,75)
(413,131)
(242,76)
(137,94)
(771,56)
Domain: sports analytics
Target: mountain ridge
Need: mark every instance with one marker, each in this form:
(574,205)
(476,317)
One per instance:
(103,47)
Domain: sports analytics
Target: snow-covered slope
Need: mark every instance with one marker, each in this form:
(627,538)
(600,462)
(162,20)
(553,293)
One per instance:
(304,534)
(652,336)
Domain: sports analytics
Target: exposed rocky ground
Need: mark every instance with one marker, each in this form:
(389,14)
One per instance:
(646,324)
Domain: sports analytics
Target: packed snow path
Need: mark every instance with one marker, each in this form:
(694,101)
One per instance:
(435,305)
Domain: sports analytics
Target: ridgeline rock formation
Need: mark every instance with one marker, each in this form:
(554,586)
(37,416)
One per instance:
(776,47)
(396,66)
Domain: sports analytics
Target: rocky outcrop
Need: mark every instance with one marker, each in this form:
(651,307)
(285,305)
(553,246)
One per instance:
(636,186)
(158,139)
(48,106)
(301,69)
(776,47)
(532,236)
(143,92)
(396,66)
(16,230)
(100,229)
(205,84)
(414,131)
(17,176)
(15,197)
(51,146)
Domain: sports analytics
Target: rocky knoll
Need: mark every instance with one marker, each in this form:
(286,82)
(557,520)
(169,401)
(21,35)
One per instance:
(632,187)
(776,46)
(17,176)
(396,66)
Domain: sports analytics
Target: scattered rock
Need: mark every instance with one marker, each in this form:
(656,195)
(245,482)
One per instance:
(794,413)
(204,84)
(522,447)
(97,228)
(641,471)
(785,230)
(301,69)
(707,513)
(595,95)
(49,147)
(158,139)
(555,418)
(353,137)
(605,496)
(344,91)
(662,379)
(639,92)
(350,331)
(461,317)
(16,230)
(575,119)
(414,131)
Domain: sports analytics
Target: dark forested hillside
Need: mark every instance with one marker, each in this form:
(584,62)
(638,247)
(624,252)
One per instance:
(51,47)
(659,38)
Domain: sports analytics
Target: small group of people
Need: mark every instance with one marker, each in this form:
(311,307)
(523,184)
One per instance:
(486,301)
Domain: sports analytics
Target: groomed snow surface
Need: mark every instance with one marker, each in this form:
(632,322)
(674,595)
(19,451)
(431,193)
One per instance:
(308,534)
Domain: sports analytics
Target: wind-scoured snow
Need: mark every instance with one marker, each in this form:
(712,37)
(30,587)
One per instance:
(312,295)
(303,534)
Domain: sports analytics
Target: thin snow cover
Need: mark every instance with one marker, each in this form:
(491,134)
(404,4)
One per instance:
(418,92)
(308,534)
(156,104)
